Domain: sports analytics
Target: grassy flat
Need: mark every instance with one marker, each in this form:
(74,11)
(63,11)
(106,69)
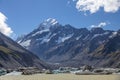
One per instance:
(61,77)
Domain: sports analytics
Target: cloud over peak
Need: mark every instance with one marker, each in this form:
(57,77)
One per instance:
(102,24)
(4,28)
(94,5)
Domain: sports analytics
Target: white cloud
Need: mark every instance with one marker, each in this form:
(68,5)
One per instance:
(102,24)
(94,5)
(4,28)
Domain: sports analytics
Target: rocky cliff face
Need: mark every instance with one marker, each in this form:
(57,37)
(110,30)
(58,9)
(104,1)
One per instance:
(67,45)
(108,53)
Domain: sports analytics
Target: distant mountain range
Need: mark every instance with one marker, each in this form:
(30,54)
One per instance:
(70,46)
(14,56)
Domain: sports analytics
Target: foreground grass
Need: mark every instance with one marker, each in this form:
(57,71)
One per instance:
(61,77)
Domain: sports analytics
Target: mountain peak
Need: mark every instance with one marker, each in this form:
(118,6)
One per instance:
(97,30)
(46,24)
(51,21)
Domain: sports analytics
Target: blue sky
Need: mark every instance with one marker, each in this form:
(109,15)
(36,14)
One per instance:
(25,15)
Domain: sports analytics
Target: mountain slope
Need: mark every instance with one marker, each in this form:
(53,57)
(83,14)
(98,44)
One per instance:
(13,56)
(65,44)
(110,51)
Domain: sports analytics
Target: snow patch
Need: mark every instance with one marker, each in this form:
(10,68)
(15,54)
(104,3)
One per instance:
(62,39)
(78,37)
(96,35)
(52,21)
(86,37)
(106,33)
(113,34)
(19,41)
(40,32)
(25,43)
(48,23)
(46,39)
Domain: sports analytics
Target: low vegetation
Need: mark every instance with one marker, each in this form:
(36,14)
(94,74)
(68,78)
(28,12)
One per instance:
(5,50)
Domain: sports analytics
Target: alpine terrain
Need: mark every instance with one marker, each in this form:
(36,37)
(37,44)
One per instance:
(70,46)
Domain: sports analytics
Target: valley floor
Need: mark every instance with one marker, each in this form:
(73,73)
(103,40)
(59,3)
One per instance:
(60,77)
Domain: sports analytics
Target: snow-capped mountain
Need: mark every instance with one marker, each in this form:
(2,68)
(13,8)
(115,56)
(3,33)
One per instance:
(49,31)
(46,24)
(67,45)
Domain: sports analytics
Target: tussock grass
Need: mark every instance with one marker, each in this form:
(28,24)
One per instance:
(5,50)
